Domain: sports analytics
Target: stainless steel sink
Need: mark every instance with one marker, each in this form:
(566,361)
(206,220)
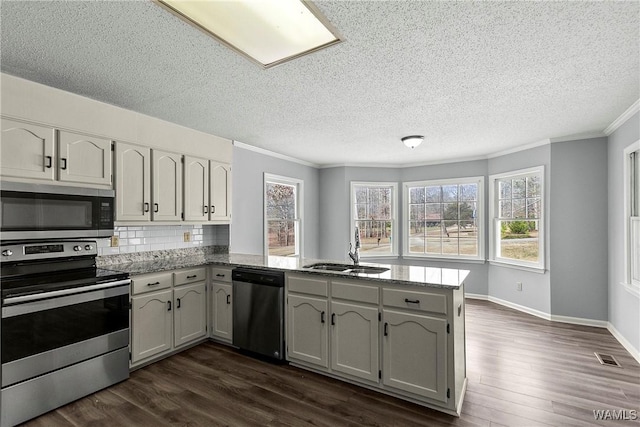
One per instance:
(365,269)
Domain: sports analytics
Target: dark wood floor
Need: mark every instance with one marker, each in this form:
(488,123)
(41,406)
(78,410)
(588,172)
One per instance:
(522,371)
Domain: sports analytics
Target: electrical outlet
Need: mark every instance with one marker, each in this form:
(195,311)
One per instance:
(519,286)
(187,236)
(115,241)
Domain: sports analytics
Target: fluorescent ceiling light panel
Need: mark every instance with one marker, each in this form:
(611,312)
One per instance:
(267,31)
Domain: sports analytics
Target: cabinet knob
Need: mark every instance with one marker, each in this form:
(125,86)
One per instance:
(88,247)
(77,248)
(7,252)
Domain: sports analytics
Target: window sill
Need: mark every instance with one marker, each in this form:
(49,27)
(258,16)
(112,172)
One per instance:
(538,270)
(445,259)
(633,289)
(385,256)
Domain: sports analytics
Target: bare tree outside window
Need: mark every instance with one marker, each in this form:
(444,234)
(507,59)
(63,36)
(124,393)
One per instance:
(282,219)
(373,215)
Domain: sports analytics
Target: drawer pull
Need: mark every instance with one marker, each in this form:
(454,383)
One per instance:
(153,284)
(219,275)
(412,301)
(192,277)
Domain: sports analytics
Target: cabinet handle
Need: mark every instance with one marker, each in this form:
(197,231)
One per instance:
(156,207)
(213,209)
(192,277)
(219,275)
(145,207)
(322,317)
(153,284)
(206,210)
(64,164)
(333,318)
(49,162)
(169,305)
(178,306)
(386,329)
(412,301)
(228,299)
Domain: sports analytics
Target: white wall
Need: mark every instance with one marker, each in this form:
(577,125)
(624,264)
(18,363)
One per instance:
(247,224)
(624,307)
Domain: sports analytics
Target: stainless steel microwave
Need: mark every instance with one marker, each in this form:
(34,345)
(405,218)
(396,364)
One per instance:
(42,211)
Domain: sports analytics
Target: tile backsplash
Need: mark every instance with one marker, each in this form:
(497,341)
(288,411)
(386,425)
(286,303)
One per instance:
(162,237)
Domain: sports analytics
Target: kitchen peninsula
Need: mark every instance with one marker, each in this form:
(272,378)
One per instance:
(400,332)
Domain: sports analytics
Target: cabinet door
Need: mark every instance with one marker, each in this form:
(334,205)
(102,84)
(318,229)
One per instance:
(190,316)
(84,159)
(151,325)
(196,189)
(26,151)
(222,304)
(354,340)
(133,182)
(167,186)
(415,354)
(307,330)
(220,187)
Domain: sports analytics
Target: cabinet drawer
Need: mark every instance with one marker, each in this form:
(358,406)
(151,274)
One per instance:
(221,274)
(308,285)
(190,275)
(354,292)
(419,301)
(150,282)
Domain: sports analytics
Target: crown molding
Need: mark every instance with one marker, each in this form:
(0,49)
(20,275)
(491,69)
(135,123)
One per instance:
(528,146)
(577,137)
(635,107)
(273,154)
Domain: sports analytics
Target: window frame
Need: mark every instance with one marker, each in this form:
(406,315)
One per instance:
(479,180)
(631,219)
(494,230)
(299,212)
(394,216)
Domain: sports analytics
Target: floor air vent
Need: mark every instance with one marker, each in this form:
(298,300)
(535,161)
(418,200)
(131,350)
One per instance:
(607,359)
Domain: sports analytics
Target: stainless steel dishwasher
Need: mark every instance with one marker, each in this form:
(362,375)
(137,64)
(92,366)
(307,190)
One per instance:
(258,311)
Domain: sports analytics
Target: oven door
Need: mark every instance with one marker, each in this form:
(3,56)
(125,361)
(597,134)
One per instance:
(48,331)
(34,211)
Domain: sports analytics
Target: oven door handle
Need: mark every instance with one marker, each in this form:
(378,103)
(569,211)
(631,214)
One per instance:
(64,292)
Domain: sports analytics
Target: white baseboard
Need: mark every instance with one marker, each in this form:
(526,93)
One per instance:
(625,343)
(563,319)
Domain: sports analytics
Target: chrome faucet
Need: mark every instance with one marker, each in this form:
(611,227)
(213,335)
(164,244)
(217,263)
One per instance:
(355,255)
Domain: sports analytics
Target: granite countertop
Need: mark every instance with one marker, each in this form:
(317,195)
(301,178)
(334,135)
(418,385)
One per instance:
(432,277)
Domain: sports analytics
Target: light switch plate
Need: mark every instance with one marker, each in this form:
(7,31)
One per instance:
(187,236)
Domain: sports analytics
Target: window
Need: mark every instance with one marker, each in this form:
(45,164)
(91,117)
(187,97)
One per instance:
(632,216)
(373,212)
(517,212)
(283,212)
(444,218)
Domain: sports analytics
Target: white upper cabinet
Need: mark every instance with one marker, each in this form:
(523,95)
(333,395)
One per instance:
(133,182)
(84,159)
(196,189)
(220,186)
(166,186)
(30,152)
(26,151)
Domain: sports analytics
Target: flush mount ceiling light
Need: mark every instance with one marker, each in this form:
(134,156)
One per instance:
(268,32)
(412,141)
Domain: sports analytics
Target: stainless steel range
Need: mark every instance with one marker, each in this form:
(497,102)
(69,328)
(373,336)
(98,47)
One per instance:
(64,328)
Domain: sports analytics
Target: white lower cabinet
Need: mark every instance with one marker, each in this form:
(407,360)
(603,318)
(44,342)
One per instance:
(404,341)
(190,314)
(415,354)
(354,340)
(151,325)
(307,337)
(168,311)
(222,311)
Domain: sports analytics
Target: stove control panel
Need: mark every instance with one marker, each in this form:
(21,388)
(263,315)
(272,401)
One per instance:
(47,250)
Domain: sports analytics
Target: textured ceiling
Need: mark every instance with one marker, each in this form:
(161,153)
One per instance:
(474,77)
